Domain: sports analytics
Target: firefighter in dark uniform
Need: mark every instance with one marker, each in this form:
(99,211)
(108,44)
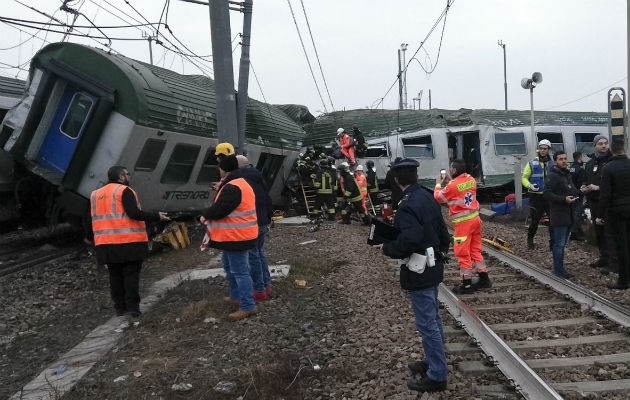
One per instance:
(372,185)
(323,183)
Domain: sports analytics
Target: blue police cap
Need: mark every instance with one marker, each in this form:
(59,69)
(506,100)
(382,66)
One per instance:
(406,163)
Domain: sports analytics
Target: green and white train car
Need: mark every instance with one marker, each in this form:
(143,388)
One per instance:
(86,109)
(490,141)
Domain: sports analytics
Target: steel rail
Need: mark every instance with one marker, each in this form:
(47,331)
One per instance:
(525,380)
(10,269)
(585,297)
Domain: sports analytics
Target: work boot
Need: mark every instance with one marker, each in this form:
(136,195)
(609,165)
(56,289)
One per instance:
(483,282)
(230,300)
(134,313)
(241,314)
(427,384)
(419,367)
(465,288)
(530,243)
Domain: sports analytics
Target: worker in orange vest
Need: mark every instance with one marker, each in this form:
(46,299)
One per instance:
(234,229)
(362,182)
(347,146)
(460,194)
(120,237)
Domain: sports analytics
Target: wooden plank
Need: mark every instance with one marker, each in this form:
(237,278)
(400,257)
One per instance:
(533,304)
(478,367)
(618,385)
(535,344)
(542,324)
(485,295)
(579,361)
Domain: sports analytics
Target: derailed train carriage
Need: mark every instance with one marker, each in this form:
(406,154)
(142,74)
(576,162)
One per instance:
(490,141)
(85,110)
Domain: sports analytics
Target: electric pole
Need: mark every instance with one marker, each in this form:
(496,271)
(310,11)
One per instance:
(400,83)
(403,47)
(243,76)
(502,45)
(223,71)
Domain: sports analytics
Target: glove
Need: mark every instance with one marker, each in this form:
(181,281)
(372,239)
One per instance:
(533,187)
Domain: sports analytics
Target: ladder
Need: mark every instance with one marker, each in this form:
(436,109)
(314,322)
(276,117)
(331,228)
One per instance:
(309,193)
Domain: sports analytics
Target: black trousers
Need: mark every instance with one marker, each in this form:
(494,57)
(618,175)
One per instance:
(620,226)
(605,239)
(328,201)
(537,207)
(124,284)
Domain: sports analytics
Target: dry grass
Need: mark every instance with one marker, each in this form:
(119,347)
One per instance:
(197,311)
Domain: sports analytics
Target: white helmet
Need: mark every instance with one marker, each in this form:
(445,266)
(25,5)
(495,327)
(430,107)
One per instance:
(340,131)
(343,166)
(359,168)
(544,142)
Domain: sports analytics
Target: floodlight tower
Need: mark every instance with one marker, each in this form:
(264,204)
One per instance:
(403,48)
(531,83)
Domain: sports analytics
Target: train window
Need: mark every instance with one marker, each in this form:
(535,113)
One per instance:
(269,165)
(209,169)
(509,143)
(584,142)
(180,164)
(150,155)
(554,137)
(418,147)
(76,116)
(376,150)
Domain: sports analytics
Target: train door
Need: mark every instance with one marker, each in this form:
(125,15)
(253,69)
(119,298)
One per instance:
(465,146)
(68,124)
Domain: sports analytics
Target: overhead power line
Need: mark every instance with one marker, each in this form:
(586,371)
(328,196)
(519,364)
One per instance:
(308,61)
(317,55)
(449,3)
(588,95)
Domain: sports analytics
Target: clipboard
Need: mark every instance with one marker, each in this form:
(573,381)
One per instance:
(381,232)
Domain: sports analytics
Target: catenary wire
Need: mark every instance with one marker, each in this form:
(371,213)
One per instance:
(588,95)
(437,21)
(317,56)
(308,61)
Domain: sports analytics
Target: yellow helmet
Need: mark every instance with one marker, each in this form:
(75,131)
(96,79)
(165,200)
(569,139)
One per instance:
(224,148)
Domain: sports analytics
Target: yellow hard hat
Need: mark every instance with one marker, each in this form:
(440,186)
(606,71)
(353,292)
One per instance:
(224,148)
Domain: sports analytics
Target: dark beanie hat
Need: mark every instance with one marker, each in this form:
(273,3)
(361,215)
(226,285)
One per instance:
(229,163)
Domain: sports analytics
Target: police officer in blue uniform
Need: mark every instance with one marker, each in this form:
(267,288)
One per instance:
(422,230)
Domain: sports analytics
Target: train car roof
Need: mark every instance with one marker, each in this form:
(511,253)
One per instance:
(376,123)
(11,90)
(159,98)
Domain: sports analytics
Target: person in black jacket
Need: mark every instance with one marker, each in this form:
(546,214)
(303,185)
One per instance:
(615,205)
(561,194)
(592,181)
(577,176)
(421,225)
(124,260)
(258,267)
(232,235)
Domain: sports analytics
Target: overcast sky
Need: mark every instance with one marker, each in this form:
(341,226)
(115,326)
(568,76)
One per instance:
(579,47)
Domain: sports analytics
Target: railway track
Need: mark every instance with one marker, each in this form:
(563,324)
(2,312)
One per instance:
(549,337)
(26,257)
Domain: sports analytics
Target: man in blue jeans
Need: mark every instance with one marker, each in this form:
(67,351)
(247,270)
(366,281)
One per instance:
(234,229)
(258,267)
(422,232)
(561,193)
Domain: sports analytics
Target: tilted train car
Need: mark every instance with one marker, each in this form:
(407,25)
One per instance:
(86,109)
(490,141)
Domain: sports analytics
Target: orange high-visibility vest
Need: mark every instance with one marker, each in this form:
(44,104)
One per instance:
(461,196)
(110,222)
(241,224)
